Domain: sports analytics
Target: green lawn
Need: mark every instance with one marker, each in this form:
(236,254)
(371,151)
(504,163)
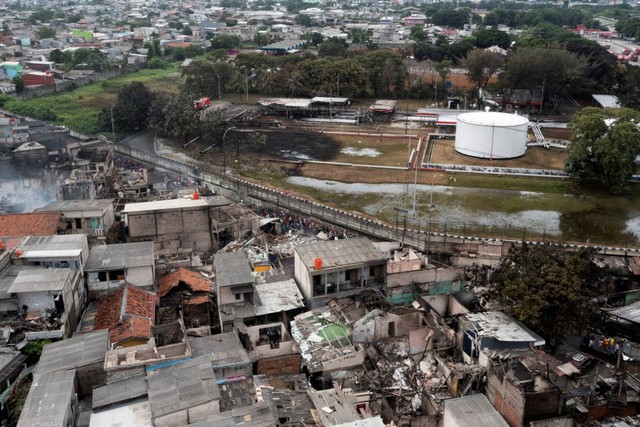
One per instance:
(81,108)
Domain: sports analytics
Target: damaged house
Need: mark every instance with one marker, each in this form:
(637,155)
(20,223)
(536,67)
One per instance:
(190,292)
(51,297)
(129,314)
(192,225)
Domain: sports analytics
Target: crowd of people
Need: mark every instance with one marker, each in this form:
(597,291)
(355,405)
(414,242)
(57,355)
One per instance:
(290,222)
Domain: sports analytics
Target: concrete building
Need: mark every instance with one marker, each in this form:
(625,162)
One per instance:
(30,158)
(481,333)
(271,349)
(409,274)
(517,387)
(110,266)
(196,224)
(69,251)
(83,353)
(91,217)
(44,294)
(234,284)
(338,268)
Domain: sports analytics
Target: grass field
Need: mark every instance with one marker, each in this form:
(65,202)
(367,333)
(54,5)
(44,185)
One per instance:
(81,109)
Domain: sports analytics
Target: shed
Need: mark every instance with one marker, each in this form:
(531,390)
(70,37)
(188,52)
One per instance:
(51,401)
(183,392)
(471,411)
(83,353)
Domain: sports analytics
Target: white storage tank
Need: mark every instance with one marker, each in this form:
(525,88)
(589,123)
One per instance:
(491,135)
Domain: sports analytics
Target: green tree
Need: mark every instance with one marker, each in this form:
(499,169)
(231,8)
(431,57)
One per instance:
(204,77)
(481,66)
(605,147)
(418,34)
(333,46)
(60,57)
(303,20)
(131,110)
(153,48)
(547,289)
(553,71)
(19,84)
(180,121)
(456,18)
(443,68)
(628,87)
(157,63)
(186,31)
(223,41)
(385,71)
(487,38)
(46,33)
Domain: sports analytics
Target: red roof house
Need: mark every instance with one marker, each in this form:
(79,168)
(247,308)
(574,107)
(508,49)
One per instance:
(129,314)
(29,224)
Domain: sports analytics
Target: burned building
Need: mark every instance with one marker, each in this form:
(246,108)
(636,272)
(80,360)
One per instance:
(190,292)
(188,225)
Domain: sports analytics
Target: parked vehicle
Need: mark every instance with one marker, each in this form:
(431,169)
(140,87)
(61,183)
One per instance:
(202,103)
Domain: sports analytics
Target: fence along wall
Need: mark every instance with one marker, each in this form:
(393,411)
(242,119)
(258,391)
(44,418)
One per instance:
(67,85)
(428,237)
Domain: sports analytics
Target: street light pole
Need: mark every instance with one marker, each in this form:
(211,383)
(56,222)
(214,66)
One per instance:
(224,150)
(113,128)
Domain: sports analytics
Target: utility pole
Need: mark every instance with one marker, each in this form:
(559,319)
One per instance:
(246,85)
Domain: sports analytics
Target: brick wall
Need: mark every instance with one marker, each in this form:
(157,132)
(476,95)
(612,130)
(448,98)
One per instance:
(290,364)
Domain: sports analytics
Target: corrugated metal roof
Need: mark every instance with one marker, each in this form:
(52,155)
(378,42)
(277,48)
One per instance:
(328,99)
(77,205)
(120,391)
(72,242)
(232,268)
(498,325)
(256,415)
(340,253)
(79,350)
(225,349)
(629,312)
(278,296)
(301,103)
(473,411)
(607,101)
(164,204)
(121,255)
(41,280)
(48,401)
(134,415)
(182,385)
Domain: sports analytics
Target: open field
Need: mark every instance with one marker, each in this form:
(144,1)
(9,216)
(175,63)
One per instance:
(81,109)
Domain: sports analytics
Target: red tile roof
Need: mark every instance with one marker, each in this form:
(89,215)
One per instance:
(192,279)
(197,300)
(29,224)
(127,312)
